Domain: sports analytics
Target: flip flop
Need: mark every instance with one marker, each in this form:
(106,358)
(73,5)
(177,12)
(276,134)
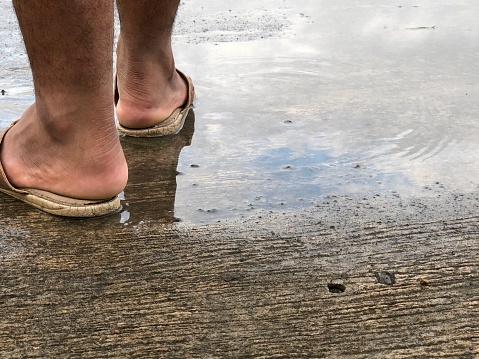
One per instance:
(170,126)
(53,203)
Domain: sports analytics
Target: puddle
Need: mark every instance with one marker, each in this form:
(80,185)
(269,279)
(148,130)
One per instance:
(300,101)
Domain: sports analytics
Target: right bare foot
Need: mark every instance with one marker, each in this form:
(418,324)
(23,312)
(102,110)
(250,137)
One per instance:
(149,86)
(63,158)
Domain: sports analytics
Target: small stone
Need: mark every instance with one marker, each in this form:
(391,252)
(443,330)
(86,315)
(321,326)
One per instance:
(386,278)
(423,282)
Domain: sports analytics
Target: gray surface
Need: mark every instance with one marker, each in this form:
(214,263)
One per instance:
(333,143)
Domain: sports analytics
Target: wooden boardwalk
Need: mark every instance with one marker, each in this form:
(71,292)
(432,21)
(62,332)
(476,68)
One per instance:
(353,277)
(286,286)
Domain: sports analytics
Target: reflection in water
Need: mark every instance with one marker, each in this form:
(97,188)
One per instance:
(425,139)
(321,106)
(152,162)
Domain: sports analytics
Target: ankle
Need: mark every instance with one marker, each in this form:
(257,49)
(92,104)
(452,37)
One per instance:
(138,49)
(149,86)
(138,62)
(150,103)
(88,166)
(73,118)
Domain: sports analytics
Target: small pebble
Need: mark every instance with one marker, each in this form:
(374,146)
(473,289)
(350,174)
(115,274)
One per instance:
(423,282)
(386,278)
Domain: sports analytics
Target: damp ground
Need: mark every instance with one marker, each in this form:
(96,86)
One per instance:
(297,102)
(321,200)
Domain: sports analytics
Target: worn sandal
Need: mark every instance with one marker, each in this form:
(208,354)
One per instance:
(53,203)
(170,126)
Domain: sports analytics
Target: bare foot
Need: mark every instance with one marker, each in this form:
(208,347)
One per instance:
(150,88)
(87,164)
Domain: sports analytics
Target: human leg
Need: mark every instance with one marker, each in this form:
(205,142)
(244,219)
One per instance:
(66,142)
(149,87)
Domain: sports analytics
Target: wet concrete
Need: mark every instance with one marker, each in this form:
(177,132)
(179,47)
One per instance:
(322,200)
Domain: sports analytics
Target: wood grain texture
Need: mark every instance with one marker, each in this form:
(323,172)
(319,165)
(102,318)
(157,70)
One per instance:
(100,289)
(141,285)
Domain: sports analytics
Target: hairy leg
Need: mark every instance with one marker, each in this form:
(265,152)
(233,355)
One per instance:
(149,86)
(66,142)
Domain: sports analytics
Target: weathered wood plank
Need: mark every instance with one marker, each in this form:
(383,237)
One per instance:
(100,289)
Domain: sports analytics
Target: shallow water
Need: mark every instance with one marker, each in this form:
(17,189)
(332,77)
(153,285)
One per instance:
(301,100)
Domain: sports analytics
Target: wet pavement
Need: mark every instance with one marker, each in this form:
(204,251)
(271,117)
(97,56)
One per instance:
(300,101)
(321,201)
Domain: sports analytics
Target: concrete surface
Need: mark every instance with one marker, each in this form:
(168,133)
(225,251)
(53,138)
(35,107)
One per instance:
(321,202)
